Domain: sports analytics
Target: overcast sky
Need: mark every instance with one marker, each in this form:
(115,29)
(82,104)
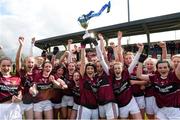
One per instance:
(48,18)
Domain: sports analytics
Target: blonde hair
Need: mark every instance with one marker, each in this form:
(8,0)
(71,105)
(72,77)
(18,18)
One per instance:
(151,59)
(175,56)
(28,57)
(154,61)
(118,63)
(128,53)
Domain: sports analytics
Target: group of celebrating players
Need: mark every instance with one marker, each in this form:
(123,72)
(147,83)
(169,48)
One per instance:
(90,85)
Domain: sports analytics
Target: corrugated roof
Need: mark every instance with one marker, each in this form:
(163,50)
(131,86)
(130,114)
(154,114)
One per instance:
(149,25)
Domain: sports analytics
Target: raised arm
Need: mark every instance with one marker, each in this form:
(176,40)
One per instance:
(19,53)
(164,50)
(70,51)
(101,38)
(136,58)
(115,49)
(82,61)
(32,46)
(140,67)
(119,48)
(100,57)
(66,53)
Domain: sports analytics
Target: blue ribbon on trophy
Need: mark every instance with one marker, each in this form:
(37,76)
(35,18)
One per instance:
(83,20)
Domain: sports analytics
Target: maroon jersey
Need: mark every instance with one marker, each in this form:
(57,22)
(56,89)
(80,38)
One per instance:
(26,82)
(87,96)
(70,83)
(56,93)
(149,90)
(44,86)
(165,90)
(177,100)
(122,89)
(37,70)
(76,94)
(9,86)
(105,92)
(136,89)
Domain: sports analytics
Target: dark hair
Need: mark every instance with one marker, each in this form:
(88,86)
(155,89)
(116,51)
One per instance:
(44,53)
(77,72)
(45,63)
(90,64)
(162,61)
(49,57)
(56,49)
(110,50)
(90,50)
(60,66)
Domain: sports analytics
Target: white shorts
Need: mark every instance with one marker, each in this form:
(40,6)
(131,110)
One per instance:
(151,106)
(75,106)
(140,101)
(86,113)
(108,111)
(131,108)
(56,105)
(67,101)
(43,106)
(10,111)
(26,107)
(168,113)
